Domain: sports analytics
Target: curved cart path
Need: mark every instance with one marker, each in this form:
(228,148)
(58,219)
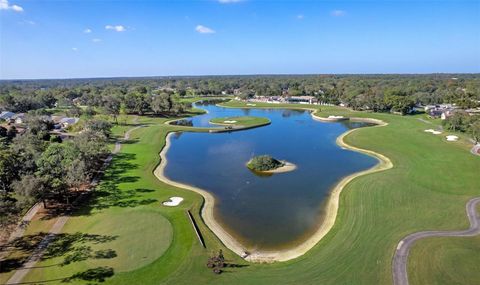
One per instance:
(399,266)
(20,273)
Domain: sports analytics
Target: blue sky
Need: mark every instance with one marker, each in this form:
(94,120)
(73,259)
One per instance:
(66,39)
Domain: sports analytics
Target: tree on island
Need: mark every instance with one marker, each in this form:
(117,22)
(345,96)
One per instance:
(264,163)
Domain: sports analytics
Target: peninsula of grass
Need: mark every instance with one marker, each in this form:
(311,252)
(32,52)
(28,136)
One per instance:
(241,122)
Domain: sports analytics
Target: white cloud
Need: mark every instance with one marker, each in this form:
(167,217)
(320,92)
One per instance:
(75,49)
(96,40)
(17,8)
(117,28)
(338,13)
(4,5)
(204,30)
(229,1)
(300,17)
(87,31)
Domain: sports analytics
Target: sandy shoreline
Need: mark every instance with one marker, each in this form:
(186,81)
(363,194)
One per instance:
(331,207)
(207,210)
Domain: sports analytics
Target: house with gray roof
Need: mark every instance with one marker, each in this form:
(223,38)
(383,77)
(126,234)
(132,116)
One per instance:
(6,116)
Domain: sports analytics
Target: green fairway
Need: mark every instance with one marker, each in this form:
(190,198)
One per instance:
(426,190)
(245,121)
(445,261)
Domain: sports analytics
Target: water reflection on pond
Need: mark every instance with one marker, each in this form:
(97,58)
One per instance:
(265,211)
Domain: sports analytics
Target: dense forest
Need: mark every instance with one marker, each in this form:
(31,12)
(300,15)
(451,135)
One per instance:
(38,165)
(375,92)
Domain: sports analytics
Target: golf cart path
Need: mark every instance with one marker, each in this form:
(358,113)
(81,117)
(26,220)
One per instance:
(20,273)
(399,265)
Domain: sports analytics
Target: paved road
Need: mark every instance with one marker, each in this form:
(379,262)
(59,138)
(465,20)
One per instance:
(18,276)
(399,266)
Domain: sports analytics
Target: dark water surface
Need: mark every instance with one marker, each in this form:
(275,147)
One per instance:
(268,212)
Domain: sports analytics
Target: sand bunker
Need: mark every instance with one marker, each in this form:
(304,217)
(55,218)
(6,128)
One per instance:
(251,104)
(452,138)
(174,201)
(433,131)
(229,122)
(335,117)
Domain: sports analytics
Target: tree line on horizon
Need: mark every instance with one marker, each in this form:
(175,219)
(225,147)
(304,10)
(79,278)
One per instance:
(379,93)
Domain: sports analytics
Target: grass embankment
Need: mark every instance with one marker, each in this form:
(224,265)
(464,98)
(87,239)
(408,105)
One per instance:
(241,122)
(427,189)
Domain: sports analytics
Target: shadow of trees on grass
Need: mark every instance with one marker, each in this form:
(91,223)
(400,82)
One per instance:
(108,194)
(72,247)
(97,274)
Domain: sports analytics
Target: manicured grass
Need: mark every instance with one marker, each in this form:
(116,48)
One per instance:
(244,121)
(427,189)
(445,261)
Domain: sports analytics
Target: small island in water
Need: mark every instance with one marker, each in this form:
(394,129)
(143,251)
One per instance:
(268,164)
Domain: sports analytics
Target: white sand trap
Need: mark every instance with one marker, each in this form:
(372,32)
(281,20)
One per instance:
(251,104)
(452,138)
(335,117)
(433,131)
(174,201)
(229,122)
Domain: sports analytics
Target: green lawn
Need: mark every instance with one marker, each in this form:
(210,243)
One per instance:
(427,189)
(244,121)
(446,261)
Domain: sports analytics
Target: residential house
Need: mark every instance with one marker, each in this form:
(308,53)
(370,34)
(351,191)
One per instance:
(473,112)
(66,122)
(302,99)
(447,114)
(435,112)
(77,101)
(237,91)
(19,118)
(7,116)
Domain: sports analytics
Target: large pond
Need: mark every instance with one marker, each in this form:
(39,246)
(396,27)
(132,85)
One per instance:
(265,212)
